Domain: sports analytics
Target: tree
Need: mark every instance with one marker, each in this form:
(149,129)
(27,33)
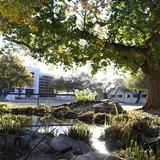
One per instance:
(116,85)
(137,83)
(80,82)
(58,84)
(13,74)
(125,32)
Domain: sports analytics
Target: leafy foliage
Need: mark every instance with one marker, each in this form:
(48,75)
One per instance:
(79,82)
(13,74)
(136,82)
(100,31)
(85,96)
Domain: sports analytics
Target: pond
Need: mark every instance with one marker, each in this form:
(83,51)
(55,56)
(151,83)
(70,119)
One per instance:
(47,124)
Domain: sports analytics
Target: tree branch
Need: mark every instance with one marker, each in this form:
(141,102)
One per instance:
(39,50)
(120,48)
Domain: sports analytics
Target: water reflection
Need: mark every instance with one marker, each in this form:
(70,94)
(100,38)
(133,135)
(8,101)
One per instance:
(49,123)
(97,144)
(96,132)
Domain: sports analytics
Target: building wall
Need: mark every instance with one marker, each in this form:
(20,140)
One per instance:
(44,88)
(40,84)
(128,97)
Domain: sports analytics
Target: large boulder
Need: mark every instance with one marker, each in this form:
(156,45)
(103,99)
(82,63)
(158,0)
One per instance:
(109,107)
(65,156)
(39,146)
(29,132)
(80,147)
(95,156)
(62,143)
(40,156)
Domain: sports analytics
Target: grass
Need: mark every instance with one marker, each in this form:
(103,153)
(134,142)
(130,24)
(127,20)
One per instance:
(80,131)
(28,110)
(127,135)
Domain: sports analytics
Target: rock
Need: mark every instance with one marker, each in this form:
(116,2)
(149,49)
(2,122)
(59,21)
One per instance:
(41,147)
(154,131)
(95,156)
(41,156)
(65,156)
(109,107)
(29,132)
(71,115)
(62,143)
(80,147)
(100,118)
(90,156)
(131,158)
(60,112)
(86,117)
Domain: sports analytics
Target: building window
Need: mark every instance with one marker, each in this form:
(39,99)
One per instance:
(128,96)
(144,95)
(29,92)
(119,96)
(44,88)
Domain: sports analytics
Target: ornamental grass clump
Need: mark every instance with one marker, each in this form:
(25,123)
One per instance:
(137,152)
(79,132)
(85,96)
(119,136)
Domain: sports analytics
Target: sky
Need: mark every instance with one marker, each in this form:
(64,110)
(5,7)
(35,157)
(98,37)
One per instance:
(109,74)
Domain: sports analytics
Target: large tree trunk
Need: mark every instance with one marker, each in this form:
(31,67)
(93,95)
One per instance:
(153,85)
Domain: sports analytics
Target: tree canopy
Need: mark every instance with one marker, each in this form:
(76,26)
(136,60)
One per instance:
(99,31)
(67,31)
(136,82)
(74,83)
(13,74)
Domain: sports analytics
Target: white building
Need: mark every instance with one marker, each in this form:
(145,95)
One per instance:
(128,96)
(40,85)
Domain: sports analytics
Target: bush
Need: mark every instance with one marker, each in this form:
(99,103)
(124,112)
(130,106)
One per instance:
(4,108)
(85,96)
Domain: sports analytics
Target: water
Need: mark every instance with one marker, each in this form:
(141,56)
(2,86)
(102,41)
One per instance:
(98,144)
(96,132)
(46,124)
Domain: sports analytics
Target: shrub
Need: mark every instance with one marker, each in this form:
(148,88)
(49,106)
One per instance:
(85,96)
(4,108)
